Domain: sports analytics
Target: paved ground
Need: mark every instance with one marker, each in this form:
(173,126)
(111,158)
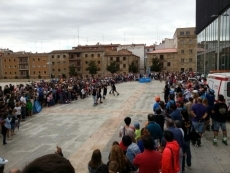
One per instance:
(79,128)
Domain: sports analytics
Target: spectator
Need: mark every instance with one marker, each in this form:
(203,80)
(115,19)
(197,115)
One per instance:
(159,118)
(149,161)
(96,165)
(113,167)
(170,155)
(137,131)
(49,163)
(144,132)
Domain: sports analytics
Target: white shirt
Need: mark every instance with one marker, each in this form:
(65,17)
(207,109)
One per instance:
(83,91)
(23,99)
(18,109)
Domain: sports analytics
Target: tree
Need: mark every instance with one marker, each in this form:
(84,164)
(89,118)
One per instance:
(92,68)
(113,67)
(133,67)
(72,70)
(156,65)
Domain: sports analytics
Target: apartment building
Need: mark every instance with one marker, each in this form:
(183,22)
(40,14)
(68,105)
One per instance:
(58,63)
(177,54)
(24,65)
(124,57)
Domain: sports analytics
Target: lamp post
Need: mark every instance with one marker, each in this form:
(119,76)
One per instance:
(49,63)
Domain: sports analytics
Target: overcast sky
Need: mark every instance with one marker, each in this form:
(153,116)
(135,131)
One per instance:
(46,25)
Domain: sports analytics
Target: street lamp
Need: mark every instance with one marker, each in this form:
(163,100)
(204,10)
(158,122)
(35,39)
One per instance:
(49,63)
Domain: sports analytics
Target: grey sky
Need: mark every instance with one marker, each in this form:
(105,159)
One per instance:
(46,25)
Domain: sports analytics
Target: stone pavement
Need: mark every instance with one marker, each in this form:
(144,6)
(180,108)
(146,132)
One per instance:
(80,127)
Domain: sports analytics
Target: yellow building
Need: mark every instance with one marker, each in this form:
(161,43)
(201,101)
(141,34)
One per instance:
(177,54)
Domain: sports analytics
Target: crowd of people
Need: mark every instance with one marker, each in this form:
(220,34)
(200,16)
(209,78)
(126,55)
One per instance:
(187,110)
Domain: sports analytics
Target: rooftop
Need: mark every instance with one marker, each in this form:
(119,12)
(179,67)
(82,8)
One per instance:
(163,51)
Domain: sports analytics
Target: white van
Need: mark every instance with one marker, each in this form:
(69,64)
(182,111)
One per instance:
(220,83)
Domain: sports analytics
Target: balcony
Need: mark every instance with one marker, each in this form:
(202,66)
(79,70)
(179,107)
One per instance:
(23,62)
(74,58)
(23,68)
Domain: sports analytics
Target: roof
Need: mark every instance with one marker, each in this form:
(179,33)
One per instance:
(122,52)
(163,51)
(151,46)
(77,50)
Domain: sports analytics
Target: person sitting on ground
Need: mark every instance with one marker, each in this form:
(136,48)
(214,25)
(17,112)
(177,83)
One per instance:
(49,163)
(149,161)
(96,165)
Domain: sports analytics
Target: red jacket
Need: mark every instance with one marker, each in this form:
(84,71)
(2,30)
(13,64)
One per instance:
(148,162)
(170,165)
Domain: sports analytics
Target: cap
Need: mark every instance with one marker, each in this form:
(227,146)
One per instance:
(157,98)
(136,125)
(211,91)
(195,91)
(3,161)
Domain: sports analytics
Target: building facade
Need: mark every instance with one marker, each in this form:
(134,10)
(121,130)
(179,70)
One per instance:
(213,35)
(123,57)
(177,54)
(138,50)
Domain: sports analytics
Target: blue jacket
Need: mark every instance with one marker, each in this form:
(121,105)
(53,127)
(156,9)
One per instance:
(155,130)
(132,151)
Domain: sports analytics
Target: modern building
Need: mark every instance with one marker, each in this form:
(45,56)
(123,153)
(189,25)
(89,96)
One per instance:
(213,35)
(177,54)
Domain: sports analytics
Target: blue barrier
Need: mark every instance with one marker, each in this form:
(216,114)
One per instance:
(145,80)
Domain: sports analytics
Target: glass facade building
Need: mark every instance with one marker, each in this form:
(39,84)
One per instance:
(213,41)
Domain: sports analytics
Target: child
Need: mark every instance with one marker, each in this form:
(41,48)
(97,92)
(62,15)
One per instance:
(113,167)
(137,131)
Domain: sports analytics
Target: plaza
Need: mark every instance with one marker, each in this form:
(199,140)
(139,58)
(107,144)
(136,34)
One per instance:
(79,128)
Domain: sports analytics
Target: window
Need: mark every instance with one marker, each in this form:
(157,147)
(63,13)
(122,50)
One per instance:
(78,68)
(99,69)
(14,60)
(58,56)
(86,62)
(190,59)
(92,55)
(182,33)
(182,51)
(187,32)
(111,58)
(168,63)
(33,59)
(63,56)
(5,72)
(78,63)
(9,60)
(10,72)
(190,51)
(190,41)
(124,65)
(147,50)
(98,62)
(124,58)
(98,55)
(182,59)
(182,41)
(44,72)
(39,72)
(182,69)
(52,56)
(33,72)
(10,66)
(53,70)
(228,89)
(15,66)
(15,72)
(4,60)
(38,59)
(86,55)
(161,57)
(72,56)
(52,63)
(117,59)
(59,70)
(190,69)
